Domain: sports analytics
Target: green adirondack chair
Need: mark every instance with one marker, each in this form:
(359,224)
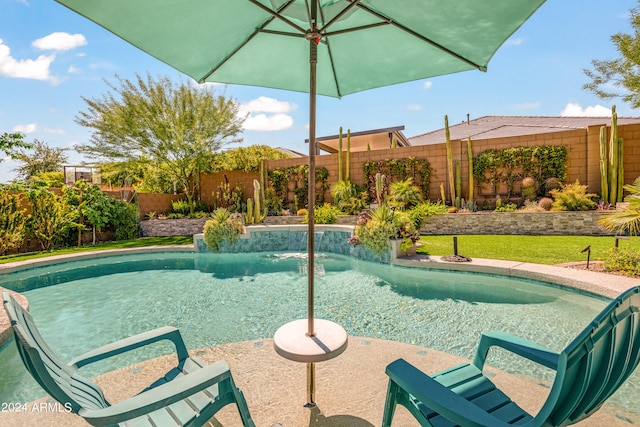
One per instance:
(588,371)
(188,395)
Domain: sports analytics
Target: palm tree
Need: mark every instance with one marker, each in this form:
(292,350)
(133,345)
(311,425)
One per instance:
(627,219)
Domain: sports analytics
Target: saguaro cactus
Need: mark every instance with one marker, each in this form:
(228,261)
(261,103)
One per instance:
(452,190)
(611,163)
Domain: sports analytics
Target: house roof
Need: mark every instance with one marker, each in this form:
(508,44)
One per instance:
(488,127)
(375,139)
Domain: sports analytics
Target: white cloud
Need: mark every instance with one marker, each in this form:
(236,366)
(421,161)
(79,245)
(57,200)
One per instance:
(73,70)
(274,120)
(427,85)
(60,41)
(26,129)
(575,110)
(414,107)
(514,42)
(267,105)
(264,122)
(37,69)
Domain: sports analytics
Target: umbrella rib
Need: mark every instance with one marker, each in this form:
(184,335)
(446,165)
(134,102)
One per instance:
(277,13)
(260,29)
(421,37)
(339,15)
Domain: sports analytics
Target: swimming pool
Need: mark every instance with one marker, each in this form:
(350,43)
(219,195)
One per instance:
(221,298)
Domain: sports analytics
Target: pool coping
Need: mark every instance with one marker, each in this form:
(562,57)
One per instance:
(597,283)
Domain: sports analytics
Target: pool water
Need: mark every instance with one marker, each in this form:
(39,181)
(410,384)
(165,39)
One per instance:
(222,298)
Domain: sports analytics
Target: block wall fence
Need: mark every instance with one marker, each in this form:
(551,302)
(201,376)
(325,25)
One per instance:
(583,164)
(583,148)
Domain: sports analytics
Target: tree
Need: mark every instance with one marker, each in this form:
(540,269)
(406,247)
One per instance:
(50,218)
(43,159)
(246,159)
(11,141)
(619,77)
(174,126)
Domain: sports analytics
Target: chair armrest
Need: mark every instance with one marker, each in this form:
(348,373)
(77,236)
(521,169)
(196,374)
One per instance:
(158,397)
(517,345)
(165,333)
(438,397)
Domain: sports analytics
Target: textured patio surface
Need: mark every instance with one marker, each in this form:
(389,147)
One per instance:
(350,389)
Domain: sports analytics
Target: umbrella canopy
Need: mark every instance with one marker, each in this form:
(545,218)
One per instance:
(363,44)
(330,47)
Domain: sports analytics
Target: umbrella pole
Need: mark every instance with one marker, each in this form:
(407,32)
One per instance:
(311,199)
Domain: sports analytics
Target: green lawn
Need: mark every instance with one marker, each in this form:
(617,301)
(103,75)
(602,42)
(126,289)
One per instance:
(143,241)
(535,249)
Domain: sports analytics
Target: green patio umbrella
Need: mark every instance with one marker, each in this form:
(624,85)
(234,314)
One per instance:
(327,47)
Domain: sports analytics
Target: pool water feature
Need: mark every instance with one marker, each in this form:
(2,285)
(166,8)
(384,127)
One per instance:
(222,298)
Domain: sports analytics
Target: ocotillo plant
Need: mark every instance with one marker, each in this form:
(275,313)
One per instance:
(611,163)
(449,160)
(470,166)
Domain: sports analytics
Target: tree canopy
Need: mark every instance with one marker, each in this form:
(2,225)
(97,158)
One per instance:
(39,158)
(620,77)
(246,159)
(9,142)
(174,126)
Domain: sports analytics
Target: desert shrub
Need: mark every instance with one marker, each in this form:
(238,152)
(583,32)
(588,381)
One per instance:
(573,197)
(325,214)
(272,203)
(404,194)
(222,227)
(625,260)
(349,197)
(422,211)
(530,206)
(50,220)
(546,203)
(180,207)
(11,222)
(528,189)
(551,184)
(626,220)
(505,207)
(125,220)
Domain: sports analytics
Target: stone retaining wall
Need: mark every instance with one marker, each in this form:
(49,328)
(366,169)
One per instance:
(532,223)
(172,227)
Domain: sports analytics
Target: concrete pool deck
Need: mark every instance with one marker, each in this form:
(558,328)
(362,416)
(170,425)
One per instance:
(350,393)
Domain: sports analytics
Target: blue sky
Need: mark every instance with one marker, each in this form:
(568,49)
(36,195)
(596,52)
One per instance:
(50,58)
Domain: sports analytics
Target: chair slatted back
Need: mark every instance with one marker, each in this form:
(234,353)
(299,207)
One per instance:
(597,362)
(58,379)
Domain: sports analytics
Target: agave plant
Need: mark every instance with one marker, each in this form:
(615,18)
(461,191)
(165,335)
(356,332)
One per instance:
(627,219)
